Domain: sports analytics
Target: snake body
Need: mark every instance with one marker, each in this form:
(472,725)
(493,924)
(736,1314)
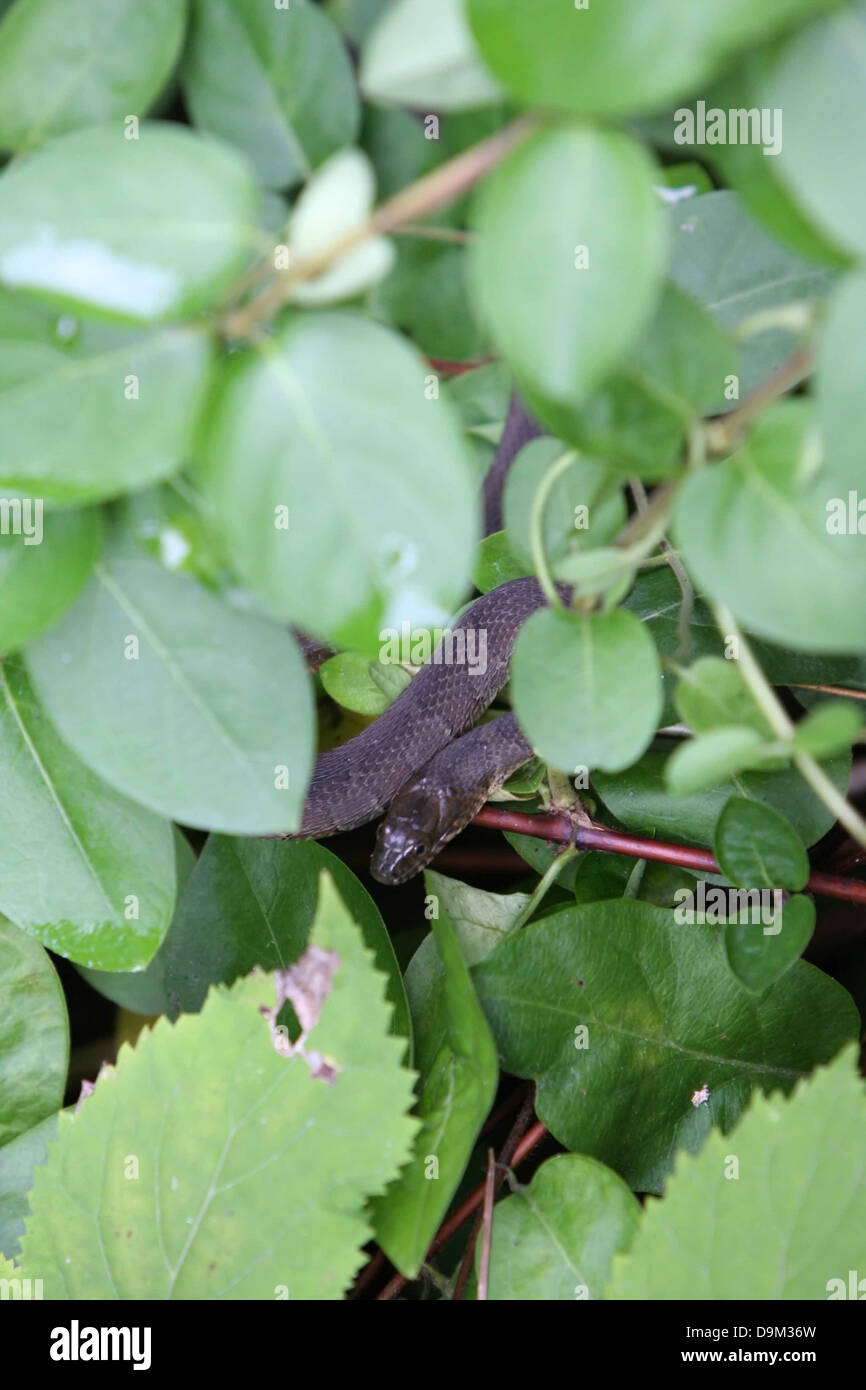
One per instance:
(417,758)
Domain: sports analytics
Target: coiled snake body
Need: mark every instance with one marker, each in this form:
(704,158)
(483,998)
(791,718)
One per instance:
(417,758)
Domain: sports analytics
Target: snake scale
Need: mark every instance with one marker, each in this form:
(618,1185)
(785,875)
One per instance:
(422,758)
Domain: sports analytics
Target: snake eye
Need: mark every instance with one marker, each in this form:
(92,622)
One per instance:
(408,837)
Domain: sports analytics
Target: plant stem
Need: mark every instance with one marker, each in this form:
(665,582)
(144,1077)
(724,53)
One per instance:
(777,717)
(536,525)
(411,204)
(548,878)
(723,435)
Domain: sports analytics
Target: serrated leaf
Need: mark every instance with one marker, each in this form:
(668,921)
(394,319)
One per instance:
(252,1167)
(758,848)
(456,1058)
(144,230)
(101,61)
(555,1239)
(152,680)
(808,1152)
(586,688)
(275,81)
(19,1159)
(34,1034)
(374,476)
(569,258)
(82,869)
(622,1016)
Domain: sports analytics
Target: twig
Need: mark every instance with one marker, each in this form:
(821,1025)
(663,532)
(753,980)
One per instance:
(723,434)
(487,1227)
(561,830)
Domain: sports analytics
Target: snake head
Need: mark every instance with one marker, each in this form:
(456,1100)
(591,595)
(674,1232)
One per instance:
(419,821)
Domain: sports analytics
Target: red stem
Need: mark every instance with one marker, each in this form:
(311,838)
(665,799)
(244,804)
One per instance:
(561,829)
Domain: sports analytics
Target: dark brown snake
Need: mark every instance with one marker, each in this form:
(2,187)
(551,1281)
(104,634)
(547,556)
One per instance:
(422,758)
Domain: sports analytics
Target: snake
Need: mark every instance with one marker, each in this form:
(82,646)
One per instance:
(426,760)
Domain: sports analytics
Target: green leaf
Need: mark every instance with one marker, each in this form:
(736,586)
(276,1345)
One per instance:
(818,83)
(99,63)
(145,230)
(18,1162)
(86,872)
(498,562)
(640,416)
(196,709)
(596,59)
(810,1152)
(556,1238)
(760,953)
(458,1069)
(251,903)
(841,401)
(41,574)
(104,413)
(713,693)
(664,1018)
(754,533)
(364,686)
(336,201)
(709,759)
(568,263)
(427,295)
(641,799)
(585,506)
(730,263)
(374,477)
(758,848)
(586,688)
(253,1166)
(829,729)
(34,1034)
(276,82)
(424,58)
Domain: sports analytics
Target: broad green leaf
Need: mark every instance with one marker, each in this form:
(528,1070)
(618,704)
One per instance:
(101,60)
(622,1016)
(323,445)
(106,412)
(829,729)
(597,58)
(196,709)
(18,1162)
(41,574)
(585,507)
(729,263)
(456,1059)
(818,83)
(641,800)
(143,991)
(427,295)
(356,17)
(480,920)
(252,1163)
(809,1153)
(758,848)
(498,562)
(251,903)
(754,533)
(275,81)
(759,953)
(586,688)
(639,417)
(364,686)
(842,404)
(705,761)
(556,1238)
(86,872)
(568,263)
(34,1034)
(713,693)
(424,57)
(144,230)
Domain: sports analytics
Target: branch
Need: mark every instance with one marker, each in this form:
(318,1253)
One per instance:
(561,830)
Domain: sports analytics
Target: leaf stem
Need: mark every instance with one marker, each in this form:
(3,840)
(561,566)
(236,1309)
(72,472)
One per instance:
(777,717)
(536,525)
